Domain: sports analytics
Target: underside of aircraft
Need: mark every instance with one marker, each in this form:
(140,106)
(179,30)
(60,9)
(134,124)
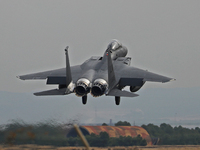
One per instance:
(106,75)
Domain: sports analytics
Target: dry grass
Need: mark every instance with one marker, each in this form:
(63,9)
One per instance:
(175,147)
(37,147)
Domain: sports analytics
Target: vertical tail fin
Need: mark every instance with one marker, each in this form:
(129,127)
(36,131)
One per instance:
(112,89)
(68,69)
(69,84)
(111,73)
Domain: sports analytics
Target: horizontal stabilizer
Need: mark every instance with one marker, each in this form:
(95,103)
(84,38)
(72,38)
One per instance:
(117,92)
(52,92)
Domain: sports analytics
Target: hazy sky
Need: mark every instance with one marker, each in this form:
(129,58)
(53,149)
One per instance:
(161,36)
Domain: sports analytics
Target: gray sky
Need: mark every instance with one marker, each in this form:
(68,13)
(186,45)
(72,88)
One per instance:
(161,36)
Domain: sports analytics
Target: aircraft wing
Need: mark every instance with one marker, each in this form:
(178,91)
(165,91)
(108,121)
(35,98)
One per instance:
(135,77)
(156,78)
(75,70)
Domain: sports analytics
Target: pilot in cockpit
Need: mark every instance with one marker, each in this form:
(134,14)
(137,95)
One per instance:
(114,45)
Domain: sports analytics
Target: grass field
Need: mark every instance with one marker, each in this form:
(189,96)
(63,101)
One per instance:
(37,147)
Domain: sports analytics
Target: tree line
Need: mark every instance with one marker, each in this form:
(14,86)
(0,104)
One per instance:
(169,135)
(52,133)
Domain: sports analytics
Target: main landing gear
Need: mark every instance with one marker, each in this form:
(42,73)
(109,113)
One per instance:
(84,99)
(117,100)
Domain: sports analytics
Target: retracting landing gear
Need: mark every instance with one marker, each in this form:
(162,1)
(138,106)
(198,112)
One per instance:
(84,99)
(117,100)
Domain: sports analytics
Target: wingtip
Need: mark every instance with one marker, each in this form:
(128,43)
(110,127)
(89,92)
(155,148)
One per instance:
(19,77)
(37,94)
(173,80)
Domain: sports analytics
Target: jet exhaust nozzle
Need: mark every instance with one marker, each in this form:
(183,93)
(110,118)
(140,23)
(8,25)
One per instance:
(99,87)
(82,87)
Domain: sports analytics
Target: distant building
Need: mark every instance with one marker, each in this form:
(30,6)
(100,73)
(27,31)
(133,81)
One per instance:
(113,131)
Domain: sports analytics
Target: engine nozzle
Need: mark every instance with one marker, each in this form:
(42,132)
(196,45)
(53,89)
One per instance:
(99,87)
(82,87)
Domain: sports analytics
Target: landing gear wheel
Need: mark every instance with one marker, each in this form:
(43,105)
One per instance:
(84,99)
(117,100)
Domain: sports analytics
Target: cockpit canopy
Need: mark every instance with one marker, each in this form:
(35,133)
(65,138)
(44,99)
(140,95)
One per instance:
(114,45)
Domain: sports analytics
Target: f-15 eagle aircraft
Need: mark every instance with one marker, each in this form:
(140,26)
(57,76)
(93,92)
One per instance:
(98,76)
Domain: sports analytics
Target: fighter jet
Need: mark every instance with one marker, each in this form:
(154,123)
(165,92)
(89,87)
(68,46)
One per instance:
(107,75)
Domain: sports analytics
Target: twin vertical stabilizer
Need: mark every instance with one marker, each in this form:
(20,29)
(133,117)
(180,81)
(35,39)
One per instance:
(69,84)
(112,89)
